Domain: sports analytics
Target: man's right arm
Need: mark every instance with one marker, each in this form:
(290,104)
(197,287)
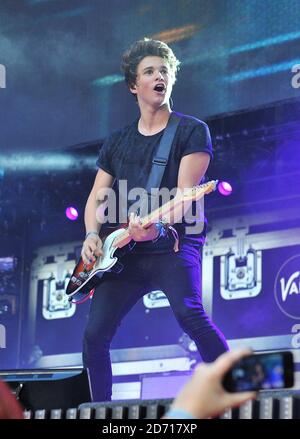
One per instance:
(93,244)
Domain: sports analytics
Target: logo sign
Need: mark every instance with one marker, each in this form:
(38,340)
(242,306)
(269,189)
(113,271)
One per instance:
(2,337)
(287,287)
(2,76)
(296,78)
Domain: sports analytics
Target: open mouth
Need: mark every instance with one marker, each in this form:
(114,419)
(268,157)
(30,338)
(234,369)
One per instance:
(160,88)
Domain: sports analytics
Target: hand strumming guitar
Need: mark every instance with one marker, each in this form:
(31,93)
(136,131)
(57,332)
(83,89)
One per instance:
(91,248)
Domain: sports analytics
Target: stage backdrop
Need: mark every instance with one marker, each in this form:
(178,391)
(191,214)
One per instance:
(60,62)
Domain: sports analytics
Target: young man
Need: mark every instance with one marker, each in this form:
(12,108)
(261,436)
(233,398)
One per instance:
(150,69)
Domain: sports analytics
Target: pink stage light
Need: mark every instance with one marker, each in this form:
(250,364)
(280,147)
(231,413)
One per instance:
(225,188)
(71,213)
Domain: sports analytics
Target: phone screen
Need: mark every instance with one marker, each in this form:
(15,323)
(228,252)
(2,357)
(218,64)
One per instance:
(261,371)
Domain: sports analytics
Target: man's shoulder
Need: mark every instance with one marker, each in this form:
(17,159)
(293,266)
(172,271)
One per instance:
(125,129)
(188,120)
(121,132)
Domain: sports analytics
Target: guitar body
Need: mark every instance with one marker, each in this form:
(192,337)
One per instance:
(87,277)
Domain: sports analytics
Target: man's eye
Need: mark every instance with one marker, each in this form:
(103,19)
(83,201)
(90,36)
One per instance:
(149,71)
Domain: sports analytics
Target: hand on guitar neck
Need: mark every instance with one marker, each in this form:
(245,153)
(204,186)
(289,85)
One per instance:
(138,232)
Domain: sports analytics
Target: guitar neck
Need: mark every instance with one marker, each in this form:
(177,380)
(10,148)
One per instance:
(166,210)
(155,216)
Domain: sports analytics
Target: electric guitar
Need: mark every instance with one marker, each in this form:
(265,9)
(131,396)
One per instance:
(86,277)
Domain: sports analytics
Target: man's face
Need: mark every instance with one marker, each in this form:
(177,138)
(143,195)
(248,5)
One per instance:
(154,81)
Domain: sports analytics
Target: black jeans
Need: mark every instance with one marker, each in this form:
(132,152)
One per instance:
(178,276)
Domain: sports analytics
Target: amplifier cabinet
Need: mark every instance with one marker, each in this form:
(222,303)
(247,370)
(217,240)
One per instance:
(251,279)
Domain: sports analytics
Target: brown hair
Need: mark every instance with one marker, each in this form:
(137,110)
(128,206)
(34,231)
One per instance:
(142,48)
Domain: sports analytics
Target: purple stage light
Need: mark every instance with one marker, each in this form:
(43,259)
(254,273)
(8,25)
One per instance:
(225,188)
(71,213)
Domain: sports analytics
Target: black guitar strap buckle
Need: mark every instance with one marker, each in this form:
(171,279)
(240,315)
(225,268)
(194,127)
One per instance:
(159,161)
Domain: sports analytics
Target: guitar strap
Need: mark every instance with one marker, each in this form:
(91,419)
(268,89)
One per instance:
(159,164)
(150,200)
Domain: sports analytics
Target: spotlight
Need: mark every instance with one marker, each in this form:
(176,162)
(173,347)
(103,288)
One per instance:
(71,213)
(225,188)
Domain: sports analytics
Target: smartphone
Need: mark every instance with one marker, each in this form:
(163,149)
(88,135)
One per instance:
(274,370)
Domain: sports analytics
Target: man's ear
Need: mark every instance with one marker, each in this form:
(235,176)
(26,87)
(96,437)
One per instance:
(133,89)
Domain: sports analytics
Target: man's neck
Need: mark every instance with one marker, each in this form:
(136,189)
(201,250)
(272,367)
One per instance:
(153,121)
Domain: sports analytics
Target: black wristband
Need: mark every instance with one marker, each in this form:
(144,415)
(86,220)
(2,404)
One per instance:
(163,231)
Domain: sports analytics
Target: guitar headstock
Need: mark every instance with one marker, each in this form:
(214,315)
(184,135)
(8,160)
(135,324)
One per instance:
(197,192)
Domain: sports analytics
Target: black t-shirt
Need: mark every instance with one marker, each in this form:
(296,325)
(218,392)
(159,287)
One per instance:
(127,155)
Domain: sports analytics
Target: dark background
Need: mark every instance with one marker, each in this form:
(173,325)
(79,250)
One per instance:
(62,58)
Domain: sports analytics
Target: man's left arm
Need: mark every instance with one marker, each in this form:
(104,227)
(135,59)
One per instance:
(192,169)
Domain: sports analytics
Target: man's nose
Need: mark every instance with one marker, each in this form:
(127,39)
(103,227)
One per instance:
(159,75)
